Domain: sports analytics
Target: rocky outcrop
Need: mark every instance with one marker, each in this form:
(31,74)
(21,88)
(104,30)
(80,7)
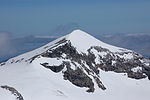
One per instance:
(87,68)
(54,68)
(13,91)
(115,62)
(78,76)
(147,71)
(88,64)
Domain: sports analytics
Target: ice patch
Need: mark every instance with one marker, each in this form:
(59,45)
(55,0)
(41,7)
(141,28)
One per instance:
(137,69)
(126,56)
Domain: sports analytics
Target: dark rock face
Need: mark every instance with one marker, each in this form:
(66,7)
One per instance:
(79,78)
(3,63)
(136,75)
(87,69)
(99,83)
(54,68)
(13,91)
(147,71)
(121,65)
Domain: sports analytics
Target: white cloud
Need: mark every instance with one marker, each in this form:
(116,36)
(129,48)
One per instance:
(6,44)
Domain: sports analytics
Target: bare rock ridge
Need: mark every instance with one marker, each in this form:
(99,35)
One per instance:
(81,57)
(13,91)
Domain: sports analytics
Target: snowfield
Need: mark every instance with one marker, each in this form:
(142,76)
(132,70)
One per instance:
(35,82)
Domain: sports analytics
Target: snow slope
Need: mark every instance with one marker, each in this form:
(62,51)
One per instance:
(38,83)
(82,41)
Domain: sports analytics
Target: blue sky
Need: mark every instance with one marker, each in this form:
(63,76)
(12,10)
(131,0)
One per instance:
(44,17)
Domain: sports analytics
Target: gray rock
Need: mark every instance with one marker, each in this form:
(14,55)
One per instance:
(13,91)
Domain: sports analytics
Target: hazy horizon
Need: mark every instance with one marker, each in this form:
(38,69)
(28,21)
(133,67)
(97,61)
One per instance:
(50,17)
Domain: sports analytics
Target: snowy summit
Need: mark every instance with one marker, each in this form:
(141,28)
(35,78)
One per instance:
(77,66)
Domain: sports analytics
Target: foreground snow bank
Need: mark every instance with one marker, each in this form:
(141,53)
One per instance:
(35,82)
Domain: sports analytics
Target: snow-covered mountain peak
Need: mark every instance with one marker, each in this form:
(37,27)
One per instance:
(77,32)
(83,41)
(77,60)
(79,39)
